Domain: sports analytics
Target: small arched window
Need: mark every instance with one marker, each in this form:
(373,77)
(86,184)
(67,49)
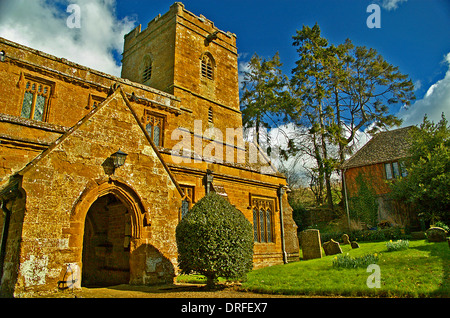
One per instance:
(207,67)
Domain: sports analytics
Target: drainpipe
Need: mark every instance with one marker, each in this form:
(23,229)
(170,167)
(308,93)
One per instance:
(346,199)
(281,190)
(7,214)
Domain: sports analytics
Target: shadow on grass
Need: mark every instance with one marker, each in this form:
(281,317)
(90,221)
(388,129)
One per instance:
(441,250)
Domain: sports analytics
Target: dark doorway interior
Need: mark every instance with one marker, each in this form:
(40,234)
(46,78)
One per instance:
(106,243)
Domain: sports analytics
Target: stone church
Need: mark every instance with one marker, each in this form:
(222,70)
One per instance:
(96,171)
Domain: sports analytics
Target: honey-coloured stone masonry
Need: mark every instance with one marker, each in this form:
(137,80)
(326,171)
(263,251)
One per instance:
(70,218)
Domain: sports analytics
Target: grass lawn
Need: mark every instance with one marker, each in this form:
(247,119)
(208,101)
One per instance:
(420,271)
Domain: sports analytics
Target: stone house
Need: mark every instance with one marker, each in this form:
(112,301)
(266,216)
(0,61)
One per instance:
(380,161)
(72,215)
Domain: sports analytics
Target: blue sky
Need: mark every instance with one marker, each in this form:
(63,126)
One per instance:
(414,34)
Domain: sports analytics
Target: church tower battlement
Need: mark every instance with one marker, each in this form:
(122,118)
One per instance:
(187,56)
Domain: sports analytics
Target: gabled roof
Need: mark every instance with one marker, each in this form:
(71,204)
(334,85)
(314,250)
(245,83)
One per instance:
(117,93)
(383,147)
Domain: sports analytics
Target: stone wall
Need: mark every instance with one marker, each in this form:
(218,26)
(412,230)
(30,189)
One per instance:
(70,176)
(60,161)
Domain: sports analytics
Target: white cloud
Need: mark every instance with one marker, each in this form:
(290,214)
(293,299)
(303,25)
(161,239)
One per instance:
(243,67)
(41,25)
(302,164)
(435,102)
(391,4)
(417,85)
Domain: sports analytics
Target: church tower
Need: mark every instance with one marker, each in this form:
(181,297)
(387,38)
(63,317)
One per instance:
(187,56)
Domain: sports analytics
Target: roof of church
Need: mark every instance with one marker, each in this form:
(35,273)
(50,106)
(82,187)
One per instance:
(383,147)
(118,92)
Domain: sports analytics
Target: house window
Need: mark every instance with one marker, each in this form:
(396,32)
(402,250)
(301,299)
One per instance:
(207,67)
(388,169)
(394,170)
(403,170)
(188,199)
(154,124)
(263,209)
(35,100)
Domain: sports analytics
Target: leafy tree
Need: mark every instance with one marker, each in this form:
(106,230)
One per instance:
(309,82)
(341,90)
(263,92)
(427,184)
(215,239)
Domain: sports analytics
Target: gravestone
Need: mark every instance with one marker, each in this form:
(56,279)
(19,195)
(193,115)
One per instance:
(436,234)
(345,239)
(311,246)
(354,245)
(332,247)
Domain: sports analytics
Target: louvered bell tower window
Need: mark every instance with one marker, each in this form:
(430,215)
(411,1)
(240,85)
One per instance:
(207,67)
(147,74)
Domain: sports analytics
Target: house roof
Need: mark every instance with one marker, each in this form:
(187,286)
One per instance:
(383,147)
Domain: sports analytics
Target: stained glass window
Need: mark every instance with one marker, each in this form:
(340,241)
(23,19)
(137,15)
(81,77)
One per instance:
(262,219)
(35,100)
(156,135)
(269,225)
(261,226)
(27,105)
(154,125)
(255,225)
(39,109)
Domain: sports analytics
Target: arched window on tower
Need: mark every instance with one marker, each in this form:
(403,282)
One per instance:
(147,70)
(210,115)
(207,67)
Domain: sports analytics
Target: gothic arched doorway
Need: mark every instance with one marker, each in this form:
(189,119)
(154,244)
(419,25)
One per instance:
(106,243)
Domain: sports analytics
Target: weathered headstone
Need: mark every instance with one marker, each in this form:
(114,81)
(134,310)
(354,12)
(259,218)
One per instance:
(332,247)
(345,239)
(436,234)
(354,245)
(311,246)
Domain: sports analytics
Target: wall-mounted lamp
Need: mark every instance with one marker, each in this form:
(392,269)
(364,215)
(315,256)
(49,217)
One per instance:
(2,56)
(119,158)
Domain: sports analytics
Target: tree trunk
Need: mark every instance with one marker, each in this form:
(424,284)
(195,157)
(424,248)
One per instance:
(211,281)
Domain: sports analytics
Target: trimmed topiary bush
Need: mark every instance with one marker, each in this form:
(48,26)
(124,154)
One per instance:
(215,239)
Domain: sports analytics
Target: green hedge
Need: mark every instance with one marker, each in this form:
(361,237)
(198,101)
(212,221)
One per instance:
(380,235)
